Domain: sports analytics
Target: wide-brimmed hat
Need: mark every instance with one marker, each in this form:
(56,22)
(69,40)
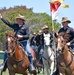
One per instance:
(20,17)
(40,32)
(45,27)
(65,19)
(34,33)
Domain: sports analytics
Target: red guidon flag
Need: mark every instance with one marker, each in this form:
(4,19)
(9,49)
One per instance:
(54,9)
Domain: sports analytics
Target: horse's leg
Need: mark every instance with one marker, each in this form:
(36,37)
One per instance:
(47,70)
(25,73)
(43,69)
(33,73)
(52,65)
(61,74)
(10,73)
(51,68)
(46,66)
(1,72)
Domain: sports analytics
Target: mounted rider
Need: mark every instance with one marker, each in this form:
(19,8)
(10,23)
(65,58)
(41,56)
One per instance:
(47,33)
(70,31)
(42,33)
(33,42)
(22,33)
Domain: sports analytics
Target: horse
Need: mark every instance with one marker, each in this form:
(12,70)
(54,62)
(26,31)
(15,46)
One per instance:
(65,61)
(48,55)
(17,57)
(39,61)
(36,59)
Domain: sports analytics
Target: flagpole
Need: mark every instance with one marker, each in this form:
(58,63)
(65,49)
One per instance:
(54,8)
(54,43)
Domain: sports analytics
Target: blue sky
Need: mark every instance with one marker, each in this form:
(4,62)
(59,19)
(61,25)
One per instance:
(41,6)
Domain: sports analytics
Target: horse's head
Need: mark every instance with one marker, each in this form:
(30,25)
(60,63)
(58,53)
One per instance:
(47,39)
(61,42)
(10,43)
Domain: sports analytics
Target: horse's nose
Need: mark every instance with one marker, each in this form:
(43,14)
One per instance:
(59,50)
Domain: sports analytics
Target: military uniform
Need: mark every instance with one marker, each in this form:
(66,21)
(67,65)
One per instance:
(69,38)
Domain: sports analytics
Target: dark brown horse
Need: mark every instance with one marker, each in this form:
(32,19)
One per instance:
(17,61)
(36,59)
(65,58)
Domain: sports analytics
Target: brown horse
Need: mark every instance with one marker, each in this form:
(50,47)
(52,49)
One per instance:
(17,61)
(65,58)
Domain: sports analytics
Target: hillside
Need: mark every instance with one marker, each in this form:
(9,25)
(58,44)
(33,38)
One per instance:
(34,20)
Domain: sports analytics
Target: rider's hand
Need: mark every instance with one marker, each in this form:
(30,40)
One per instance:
(53,31)
(0,15)
(19,36)
(68,43)
(34,41)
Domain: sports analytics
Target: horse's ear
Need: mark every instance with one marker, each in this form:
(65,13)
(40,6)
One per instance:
(62,34)
(6,33)
(14,33)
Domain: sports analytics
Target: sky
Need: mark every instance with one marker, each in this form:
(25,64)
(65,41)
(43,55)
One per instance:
(42,6)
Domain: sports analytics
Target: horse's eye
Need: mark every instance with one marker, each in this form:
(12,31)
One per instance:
(12,41)
(61,41)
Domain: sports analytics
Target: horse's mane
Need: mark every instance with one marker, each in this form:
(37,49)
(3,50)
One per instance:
(64,35)
(10,34)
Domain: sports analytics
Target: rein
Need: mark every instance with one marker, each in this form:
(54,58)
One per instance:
(17,62)
(49,56)
(10,53)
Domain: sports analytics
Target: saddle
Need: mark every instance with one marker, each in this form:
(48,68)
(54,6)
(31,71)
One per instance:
(23,48)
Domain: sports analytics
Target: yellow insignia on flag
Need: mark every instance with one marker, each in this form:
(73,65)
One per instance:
(61,1)
(64,5)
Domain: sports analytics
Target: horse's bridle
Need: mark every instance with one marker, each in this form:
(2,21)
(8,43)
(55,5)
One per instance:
(10,53)
(48,57)
(61,51)
(64,67)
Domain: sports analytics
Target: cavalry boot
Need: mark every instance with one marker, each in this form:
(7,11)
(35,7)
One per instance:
(3,66)
(31,66)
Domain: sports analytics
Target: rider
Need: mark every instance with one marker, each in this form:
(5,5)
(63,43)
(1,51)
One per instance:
(40,43)
(47,32)
(66,29)
(22,32)
(44,31)
(33,42)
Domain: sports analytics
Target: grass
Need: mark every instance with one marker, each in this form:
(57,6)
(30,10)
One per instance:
(6,73)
